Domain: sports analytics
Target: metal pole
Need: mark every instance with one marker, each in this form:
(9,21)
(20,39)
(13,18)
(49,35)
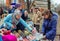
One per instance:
(28,5)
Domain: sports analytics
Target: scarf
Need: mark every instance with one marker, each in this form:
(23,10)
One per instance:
(14,20)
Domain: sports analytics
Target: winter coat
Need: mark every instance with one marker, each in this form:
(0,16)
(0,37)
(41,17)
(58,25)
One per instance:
(49,27)
(8,22)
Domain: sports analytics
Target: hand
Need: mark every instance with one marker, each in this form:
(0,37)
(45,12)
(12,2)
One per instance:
(4,30)
(44,37)
(1,33)
(31,37)
(34,30)
(13,26)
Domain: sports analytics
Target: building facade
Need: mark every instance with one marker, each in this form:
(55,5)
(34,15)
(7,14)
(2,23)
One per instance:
(17,2)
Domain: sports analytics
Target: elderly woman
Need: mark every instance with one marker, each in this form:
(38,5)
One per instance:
(24,16)
(12,20)
(49,24)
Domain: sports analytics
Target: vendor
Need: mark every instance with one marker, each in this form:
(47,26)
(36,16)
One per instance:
(49,24)
(24,16)
(12,20)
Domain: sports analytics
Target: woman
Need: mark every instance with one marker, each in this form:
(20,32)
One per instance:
(11,8)
(37,18)
(12,20)
(25,15)
(19,25)
(49,24)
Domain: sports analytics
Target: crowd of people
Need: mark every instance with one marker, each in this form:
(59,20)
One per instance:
(17,24)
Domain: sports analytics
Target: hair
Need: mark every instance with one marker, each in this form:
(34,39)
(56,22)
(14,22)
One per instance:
(38,9)
(47,12)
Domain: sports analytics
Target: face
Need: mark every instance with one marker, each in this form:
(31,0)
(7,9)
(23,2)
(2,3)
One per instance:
(37,9)
(11,7)
(18,16)
(41,9)
(26,13)
(46,16)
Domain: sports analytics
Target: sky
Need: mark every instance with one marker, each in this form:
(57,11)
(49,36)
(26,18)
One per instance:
(55,1)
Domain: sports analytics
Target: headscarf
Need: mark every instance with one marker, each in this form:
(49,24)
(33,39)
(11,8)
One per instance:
(14,20)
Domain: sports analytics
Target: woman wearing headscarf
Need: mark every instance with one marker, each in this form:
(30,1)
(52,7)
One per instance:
(12,20)
(24,16)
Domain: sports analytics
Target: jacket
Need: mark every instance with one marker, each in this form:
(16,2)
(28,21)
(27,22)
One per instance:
(8,21)
(49,27)
(37,17)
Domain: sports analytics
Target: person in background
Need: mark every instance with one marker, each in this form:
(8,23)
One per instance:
(12,8)
(37,18)
(19,25)
(19,6)
(25,15)
(41,22)
(49,24)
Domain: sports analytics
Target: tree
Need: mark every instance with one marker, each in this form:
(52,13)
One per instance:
(49,4)
(28,5)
